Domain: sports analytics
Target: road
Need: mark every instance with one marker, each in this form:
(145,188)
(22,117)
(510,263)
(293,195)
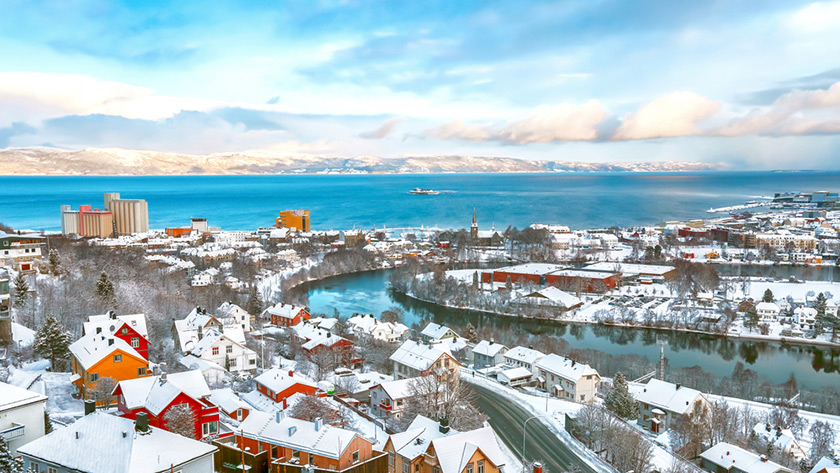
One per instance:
(506,418)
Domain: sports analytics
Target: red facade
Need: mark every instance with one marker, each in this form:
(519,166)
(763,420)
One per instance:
(134,339)
(205,413)
(299,317)
(286,393)
(585,284)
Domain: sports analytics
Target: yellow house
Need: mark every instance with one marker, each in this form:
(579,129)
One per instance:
(428,447)
(98,356)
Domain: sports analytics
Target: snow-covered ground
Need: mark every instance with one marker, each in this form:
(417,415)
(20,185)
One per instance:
(61,405)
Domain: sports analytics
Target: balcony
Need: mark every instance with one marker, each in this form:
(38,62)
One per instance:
(385,407)
(13,432)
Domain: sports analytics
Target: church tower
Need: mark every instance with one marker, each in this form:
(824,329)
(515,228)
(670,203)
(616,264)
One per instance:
(474,227)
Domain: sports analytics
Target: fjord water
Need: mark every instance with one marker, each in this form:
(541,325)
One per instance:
(814,367)
(342,201)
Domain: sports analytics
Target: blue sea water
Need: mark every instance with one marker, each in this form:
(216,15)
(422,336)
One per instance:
(342,201)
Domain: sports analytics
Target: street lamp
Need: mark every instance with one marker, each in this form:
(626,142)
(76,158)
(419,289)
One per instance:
(524,426)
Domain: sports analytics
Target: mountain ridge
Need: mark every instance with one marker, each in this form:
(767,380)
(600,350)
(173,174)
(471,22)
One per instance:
(45,161)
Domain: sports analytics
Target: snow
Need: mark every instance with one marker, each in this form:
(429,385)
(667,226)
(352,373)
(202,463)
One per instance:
(22,335)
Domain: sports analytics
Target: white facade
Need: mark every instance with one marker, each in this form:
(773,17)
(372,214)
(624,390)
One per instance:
(768,311)
(21,416)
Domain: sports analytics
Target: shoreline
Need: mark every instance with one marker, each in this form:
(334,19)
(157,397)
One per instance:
(746,337)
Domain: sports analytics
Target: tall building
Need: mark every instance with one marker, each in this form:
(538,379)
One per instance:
(295,219)
(117,217)
(20,251)
(5,309)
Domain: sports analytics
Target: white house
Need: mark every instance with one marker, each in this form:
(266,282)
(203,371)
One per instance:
(367,325)
(486,354)
(661,403)
(224,351)
(230,313)
(568,379)
(768,311)
(514,377)
(21,416)
(391,398)
(805,317)
(783,440)
(414,359)
(525,357)
(730,458)
(103,442)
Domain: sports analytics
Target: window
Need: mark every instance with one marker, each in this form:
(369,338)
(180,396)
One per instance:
(239,416)
(135,342)
(229,349)
(232,362)
(124,330)
(406,466)
(296,454)
(275,451)
(311,459)
(209,428)
(51,470)
(94,377)
(215,350)
(252,361)
(141,371)
(417,468)
(481,466)
(356,456)
(469,468)
(117,358)
(390,458)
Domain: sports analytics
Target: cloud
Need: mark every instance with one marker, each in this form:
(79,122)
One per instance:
(382,131)
(798,112)
(39,95)
(564,122)
(672,115)
(17,128)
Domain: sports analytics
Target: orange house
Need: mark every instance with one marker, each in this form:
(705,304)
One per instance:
(294,442)
(98,356)
(476,451)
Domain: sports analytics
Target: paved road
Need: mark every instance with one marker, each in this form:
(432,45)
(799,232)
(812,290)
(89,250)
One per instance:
(506,417)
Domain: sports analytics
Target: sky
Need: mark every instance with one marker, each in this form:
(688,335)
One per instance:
(746,84)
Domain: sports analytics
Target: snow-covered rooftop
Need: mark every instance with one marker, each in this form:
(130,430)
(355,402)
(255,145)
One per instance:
(417,355)
(668,396)
(565,368)
(13,396)
(523,355)
(730,456)
(455,451)
(279,380)
(437,331)
(415,440)
(155,394)
(110,325)
(488,348)
(325,440)
(90,349)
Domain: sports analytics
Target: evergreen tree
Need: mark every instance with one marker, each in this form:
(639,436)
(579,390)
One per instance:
(508,284)
(475,279)
(55,262)
(52,342)
(7,462)
(255,301)
(105,291)
(21,290)
(751,319)
(768,296)
(620,401)
(823,321)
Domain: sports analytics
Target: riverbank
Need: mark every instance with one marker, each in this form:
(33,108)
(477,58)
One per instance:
(739,336)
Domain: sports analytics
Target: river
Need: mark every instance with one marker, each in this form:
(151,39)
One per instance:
(814,367)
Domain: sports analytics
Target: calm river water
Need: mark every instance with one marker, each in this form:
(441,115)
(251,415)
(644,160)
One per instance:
(814,367)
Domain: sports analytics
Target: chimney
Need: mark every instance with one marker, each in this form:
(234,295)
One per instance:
(77,435)
(679,386)
(317,424)
(538,467)
(291,373)
(764,458)
(124,433)
(141,422)
(112,315)
(110,341)
(444,425)
(90,407)
(162,379)
(200,332)
(278,415)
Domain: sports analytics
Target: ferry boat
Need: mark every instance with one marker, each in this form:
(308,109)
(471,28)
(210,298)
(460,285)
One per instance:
(419,191)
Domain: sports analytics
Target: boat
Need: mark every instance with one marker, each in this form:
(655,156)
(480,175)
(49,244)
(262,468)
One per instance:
(419,191)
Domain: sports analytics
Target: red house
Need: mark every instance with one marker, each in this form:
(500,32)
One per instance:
(286,315)
(129,328)
(578,280)
(521,273)
(157,395)
(278,385)
(315,339)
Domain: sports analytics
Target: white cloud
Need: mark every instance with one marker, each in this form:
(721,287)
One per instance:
(815,18)
(671,115)
(564,122)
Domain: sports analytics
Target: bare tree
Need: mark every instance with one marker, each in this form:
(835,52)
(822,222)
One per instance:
(822,440)
(180,419)
(442,395)
(103,389)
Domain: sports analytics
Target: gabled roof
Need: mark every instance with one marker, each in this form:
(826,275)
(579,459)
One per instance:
(826,465)
(398,389)
(668,396)
(315,336)
(437,332)
(565,368)
(91,349)
(283,310)
(279,380)
(729,456)
(110,326)
(454,451)
(556,296)
(227,400)
(155,395)
(298,434)
(765,306)
(102,442)
(419,356)
(783,439)
(524,355)
(416,439)
(13,396)
(488,348)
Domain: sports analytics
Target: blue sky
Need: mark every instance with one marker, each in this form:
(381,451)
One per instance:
(749,84)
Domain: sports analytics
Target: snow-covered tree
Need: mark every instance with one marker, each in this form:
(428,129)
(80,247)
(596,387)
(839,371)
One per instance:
(55,262)
(620,401)
(52,342)
(105,291)
(255,301)
(102,390)
(21,290)
(180,419)
(8,463)
(768,296)
(822,440)
(310,408)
